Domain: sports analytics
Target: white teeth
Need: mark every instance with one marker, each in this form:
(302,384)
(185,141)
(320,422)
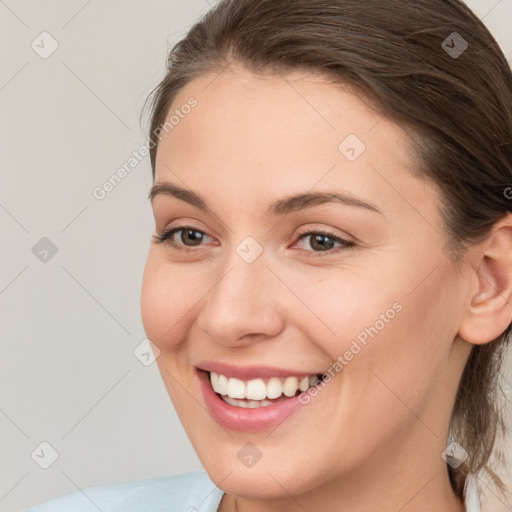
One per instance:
(304,384)
(291,384)
(214,378)
(230,401)
(250,404)
(274,388)
(236,388)
(222,385)
(257,390)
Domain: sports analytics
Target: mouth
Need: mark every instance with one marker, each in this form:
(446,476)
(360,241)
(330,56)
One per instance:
(258,398)
(260,392)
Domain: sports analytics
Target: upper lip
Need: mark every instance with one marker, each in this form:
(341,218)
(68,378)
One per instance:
(250,372)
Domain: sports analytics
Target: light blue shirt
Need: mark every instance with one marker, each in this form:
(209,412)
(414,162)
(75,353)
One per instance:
(189,492)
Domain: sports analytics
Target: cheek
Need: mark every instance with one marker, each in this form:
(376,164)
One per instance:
(383,340)
(346,310)
(401,367)
(164,303)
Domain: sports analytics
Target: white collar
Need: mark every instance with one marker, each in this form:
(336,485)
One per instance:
(471,499)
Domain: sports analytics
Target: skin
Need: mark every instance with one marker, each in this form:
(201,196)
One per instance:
(373,437)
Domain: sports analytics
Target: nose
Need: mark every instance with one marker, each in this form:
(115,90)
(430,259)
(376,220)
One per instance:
(243,306)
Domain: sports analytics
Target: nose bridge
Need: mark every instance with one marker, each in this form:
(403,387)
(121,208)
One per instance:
(243,300)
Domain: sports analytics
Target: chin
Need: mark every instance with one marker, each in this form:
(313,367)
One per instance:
(263,480)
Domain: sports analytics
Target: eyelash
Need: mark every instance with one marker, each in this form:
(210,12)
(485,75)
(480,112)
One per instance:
(166,236)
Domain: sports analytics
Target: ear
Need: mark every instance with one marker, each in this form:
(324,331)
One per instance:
(488,311)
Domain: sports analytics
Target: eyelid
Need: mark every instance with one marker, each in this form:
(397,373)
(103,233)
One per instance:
(168,233)
(330,232)
(344,243)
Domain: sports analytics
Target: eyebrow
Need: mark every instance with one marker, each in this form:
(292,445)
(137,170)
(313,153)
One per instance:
(280,207)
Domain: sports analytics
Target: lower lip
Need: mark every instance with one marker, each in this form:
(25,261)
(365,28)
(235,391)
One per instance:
(246,420)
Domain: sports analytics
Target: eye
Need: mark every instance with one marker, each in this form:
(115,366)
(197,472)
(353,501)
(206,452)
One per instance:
(188,234)
(320,241)
(323,242)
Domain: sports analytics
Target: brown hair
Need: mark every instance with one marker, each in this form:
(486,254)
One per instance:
(405,58)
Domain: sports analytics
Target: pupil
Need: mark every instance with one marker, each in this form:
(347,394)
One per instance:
(195,236)
(320,239)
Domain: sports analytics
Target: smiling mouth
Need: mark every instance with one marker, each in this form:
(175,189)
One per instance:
(250,394)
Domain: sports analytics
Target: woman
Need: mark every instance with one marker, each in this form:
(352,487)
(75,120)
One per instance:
(329,285)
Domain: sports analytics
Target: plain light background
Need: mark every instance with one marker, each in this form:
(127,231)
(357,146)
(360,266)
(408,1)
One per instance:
(69,325)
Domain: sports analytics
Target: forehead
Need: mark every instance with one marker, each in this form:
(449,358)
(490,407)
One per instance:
(304,105)
(290,131)
(300,107)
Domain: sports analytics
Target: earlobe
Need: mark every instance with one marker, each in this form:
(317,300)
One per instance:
(489,308)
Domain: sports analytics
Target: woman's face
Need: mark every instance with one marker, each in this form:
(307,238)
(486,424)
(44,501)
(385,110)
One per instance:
(261,286)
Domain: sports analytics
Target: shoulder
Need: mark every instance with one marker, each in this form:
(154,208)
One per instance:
(188,492)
